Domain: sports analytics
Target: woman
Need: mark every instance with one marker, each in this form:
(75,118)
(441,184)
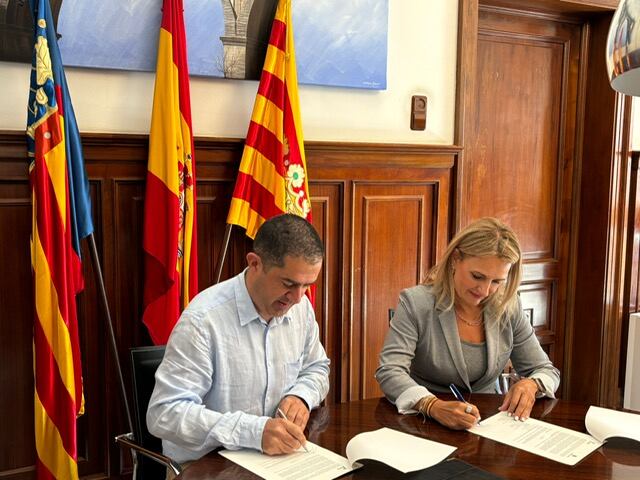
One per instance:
(461,327)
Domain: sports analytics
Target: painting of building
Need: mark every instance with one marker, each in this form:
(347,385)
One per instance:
(338,42)
(247,24)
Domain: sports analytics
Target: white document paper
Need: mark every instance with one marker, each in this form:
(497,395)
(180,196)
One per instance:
(541,438)
(604,423)
(399,450)
(317,464)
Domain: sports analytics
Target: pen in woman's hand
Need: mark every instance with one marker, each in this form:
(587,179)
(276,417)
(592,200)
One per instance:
(282,415)
(459,397)
(456,393)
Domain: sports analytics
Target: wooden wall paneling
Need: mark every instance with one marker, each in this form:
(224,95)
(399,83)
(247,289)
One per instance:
(525,110)
(326,198)
(116,166)
(600,251)
(538,299)
(17,457)
(93,424)
(466,91)
(217,162)
(560,6)
(393,247)
(213,204)
(393,165)
(119,186)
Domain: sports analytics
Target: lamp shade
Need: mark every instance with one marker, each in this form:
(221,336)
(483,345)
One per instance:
(623,48)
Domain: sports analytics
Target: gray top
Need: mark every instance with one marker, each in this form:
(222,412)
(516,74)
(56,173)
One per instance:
(475,358)
(422,352)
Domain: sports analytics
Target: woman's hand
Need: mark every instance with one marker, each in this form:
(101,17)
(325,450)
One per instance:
(455,415)
(520,398)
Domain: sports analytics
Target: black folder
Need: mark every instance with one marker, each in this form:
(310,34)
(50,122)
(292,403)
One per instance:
(451,469)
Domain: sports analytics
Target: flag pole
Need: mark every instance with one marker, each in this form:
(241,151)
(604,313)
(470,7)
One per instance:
(107,314)
(223,252)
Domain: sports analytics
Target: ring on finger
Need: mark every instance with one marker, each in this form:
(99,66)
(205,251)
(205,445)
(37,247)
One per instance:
(469,409)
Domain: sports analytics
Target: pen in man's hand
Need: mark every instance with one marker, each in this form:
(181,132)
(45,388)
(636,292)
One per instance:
(281,413)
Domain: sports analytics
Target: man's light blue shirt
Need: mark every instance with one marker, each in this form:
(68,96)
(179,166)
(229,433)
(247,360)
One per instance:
(225,370)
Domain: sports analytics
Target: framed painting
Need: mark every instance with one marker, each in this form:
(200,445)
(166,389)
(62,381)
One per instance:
(338,42)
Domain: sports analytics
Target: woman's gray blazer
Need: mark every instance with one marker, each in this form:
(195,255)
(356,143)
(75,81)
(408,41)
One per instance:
(422,352)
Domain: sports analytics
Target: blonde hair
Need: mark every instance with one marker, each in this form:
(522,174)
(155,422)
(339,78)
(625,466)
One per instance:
(486,237)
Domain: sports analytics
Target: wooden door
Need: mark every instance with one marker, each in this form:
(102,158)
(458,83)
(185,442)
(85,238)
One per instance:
(520,150)
(393,233)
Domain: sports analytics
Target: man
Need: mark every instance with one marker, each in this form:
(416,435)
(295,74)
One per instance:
(244,364)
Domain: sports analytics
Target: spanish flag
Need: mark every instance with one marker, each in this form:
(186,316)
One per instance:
(170,234)
(273,175)
(61,217)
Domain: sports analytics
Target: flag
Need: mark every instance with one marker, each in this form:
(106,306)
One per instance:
(61,217)
(170,234)
(272,178)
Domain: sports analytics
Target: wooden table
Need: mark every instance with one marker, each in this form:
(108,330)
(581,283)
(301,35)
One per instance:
(333,426)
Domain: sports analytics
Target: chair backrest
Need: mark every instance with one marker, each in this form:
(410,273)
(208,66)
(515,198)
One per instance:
(144,363)
(390,313)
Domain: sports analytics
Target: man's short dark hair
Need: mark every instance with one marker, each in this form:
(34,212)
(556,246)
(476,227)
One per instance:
(284,235)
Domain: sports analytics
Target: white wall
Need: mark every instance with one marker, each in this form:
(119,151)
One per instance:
(421,60)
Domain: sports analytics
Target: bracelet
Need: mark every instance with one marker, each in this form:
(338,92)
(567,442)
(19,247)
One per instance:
(430,406)
(425,405)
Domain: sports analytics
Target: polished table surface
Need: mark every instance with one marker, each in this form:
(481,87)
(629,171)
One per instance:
(334,425)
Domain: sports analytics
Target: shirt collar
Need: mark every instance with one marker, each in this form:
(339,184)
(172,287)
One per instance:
(247,312)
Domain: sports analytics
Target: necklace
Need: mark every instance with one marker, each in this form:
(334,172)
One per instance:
(473,323)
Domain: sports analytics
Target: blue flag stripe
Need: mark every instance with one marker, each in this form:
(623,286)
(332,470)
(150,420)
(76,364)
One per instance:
(79,199)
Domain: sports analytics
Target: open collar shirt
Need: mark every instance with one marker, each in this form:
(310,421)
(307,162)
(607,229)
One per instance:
(225,370)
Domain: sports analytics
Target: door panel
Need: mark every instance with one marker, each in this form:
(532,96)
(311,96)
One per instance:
(519,162)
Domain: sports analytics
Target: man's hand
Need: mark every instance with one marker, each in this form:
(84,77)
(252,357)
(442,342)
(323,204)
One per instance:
(520,398)
(295,410)
(455,415)
(281,436)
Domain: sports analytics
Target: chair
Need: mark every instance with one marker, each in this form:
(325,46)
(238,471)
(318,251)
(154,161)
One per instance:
(148,463)
(506,379)
(390,313)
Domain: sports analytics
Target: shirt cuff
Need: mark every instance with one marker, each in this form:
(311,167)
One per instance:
(305,395)
(407,399)
(545,381)
(250,430)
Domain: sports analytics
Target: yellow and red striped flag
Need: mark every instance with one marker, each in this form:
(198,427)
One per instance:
(273,174)
(170,234)
(61,218)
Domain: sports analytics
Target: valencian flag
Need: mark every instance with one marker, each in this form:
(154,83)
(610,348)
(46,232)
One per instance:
(272,179)
(61,217)
(170,239)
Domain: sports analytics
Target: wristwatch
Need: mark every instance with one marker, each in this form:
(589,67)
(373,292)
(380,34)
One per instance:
(539,384)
